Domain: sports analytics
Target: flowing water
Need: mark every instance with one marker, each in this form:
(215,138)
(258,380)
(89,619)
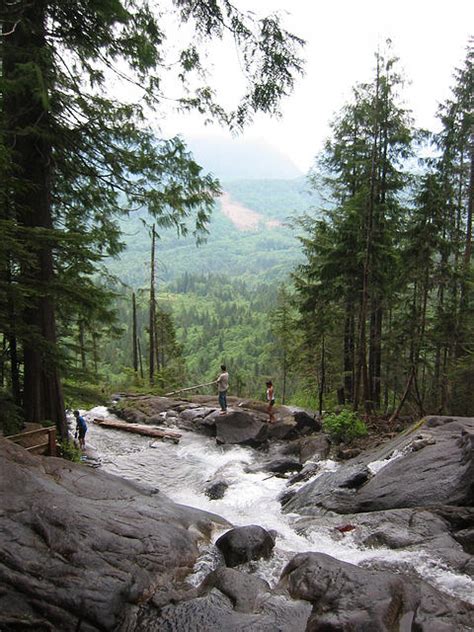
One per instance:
(183,471)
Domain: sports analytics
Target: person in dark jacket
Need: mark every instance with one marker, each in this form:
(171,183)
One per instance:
(81,429)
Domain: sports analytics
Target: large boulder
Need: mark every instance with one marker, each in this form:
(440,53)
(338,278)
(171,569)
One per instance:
(217,489)
(143,409)
(238,427)
(305,423)
(243,590)
(81,548)
(244,544)
(278,466)
(219,611)
(432,465)
(201,420)
(245,423)
(314,448)
(347,598)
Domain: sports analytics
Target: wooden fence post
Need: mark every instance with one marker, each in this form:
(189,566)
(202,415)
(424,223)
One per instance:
(52,441)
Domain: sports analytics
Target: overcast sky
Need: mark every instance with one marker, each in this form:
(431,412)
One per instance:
(429,37)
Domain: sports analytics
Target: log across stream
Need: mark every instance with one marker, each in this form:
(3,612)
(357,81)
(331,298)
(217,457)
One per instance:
(141,429)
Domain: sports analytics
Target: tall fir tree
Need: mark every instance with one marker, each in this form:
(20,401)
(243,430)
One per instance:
(351,255)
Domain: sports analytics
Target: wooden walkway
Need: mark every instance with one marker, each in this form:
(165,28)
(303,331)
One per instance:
(40,441)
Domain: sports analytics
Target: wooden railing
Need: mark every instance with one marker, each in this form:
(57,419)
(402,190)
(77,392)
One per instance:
(40,441)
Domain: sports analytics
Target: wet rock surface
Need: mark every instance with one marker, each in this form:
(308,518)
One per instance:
(439,473)
(215,612)
(349,598)
(242,589)
(244,544)
(405,529)
(90,551)
(83,548)
(216,489)
(238,427)
(245,423)
(314,448)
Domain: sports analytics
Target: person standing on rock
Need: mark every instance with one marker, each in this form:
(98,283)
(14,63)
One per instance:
(222,386)
(81,429)
(270,400)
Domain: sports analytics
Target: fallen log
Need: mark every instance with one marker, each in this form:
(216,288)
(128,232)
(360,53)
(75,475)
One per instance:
(190,388)
(148,431)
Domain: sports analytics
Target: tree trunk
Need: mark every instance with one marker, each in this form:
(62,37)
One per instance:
(134,333)
(375,354)
(152,319)
(12,341)
(82,345)
(463,304)
(2,361)
(404,396)
(159,340)
(362,377)
(95,355)
(285,370)
(349,352)
(322,382)
(29,130)
(140,361)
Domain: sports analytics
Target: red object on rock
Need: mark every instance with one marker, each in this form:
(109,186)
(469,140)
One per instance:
(345,528)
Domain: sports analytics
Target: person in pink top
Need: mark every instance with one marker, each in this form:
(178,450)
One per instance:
(270,400)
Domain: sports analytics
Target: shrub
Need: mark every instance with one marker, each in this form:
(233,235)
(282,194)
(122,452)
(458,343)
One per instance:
(68,450)
(344,426)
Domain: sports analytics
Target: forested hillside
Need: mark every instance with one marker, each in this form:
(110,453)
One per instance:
(220,293)
(215,319)
(80,85)
(266,253)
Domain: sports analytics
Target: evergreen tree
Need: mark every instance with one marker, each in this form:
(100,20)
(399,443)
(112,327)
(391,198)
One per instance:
(284,330)
(455,168)
(351,256)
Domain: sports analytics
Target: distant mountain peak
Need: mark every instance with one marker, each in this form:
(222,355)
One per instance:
(238,159)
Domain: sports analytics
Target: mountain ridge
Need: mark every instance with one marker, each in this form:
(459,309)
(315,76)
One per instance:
(238,159)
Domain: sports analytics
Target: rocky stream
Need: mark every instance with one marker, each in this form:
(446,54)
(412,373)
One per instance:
(239,526)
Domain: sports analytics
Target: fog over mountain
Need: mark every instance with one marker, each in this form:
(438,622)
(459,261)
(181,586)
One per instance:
(238,159)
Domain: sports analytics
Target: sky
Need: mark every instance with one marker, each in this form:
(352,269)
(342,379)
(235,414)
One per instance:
(429,36)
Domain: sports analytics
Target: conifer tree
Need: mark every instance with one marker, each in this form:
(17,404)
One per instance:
(455,168)
(283,327)
(351,260)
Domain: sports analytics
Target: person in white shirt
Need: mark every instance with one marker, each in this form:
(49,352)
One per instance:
(222,386)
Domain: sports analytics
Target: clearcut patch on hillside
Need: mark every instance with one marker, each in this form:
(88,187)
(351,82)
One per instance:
(243,217)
